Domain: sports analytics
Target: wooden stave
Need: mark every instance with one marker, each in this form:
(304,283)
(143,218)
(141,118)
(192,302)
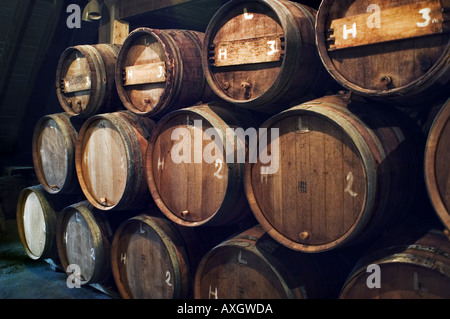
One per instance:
(421,244)
(102,233)
(135,132)
(436,195)
(234,207)
(431,86)
(177,93)
(284,90)
(372,147)
(101,59)
(300,275)
(69,127)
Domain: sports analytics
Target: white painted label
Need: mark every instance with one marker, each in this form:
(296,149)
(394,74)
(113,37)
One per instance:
(213,293)
(222,54)
(349,180)
(218,164)
(160,163)
(247,16)
(273,47)
(168,277)
(426,16)
(348,31)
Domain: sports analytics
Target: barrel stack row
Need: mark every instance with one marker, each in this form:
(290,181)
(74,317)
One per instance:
(260,159)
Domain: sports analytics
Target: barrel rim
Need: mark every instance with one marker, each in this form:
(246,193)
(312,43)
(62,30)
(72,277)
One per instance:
(369,166)
(439,68)
(172,78)
(84,209)
(70,138)
(292,38)
(157,224)
(49,215)
(435,134)
(233,174)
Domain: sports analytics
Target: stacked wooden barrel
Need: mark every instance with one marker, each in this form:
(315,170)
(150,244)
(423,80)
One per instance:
(259,159)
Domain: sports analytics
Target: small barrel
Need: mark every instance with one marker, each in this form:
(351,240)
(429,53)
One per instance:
(409,265)
(251,265)
(261,54)
(160,70)
(83,238)
(36,220)
(341,171)
(54,140)
(195,166)
(437,170)
(109,159)
(153,259)
(85,80)
(394,51)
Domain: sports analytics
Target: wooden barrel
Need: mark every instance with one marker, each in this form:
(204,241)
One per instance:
(341,171)
(160,70)
(54,140)
(412,265)
(109,159)
(36,220)
(261,54)
(85,80)
(437,171)
(193,170)
(152,259)
(395,50)
(251,265)
(83,238)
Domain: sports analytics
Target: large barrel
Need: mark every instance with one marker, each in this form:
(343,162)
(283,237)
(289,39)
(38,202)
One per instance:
(261,54)
(437,170)
(109,159)
(54,140)
(393,50)
(341,171)
(85,80)
(153,259)
(251,265)
(160,70)
(194,171)
(412,264)
(83,238)
(36,220)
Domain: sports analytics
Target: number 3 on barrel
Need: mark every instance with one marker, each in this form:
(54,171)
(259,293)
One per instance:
(273,47)
(426,16)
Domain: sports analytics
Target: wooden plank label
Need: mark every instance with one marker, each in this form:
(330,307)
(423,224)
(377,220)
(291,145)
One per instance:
(145,73)
(76,83)
(380,25)
(248,51)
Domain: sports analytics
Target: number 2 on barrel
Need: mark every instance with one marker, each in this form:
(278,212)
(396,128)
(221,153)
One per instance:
(218,164)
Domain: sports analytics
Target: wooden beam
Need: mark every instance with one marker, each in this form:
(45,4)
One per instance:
(129,8)
(402,22)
